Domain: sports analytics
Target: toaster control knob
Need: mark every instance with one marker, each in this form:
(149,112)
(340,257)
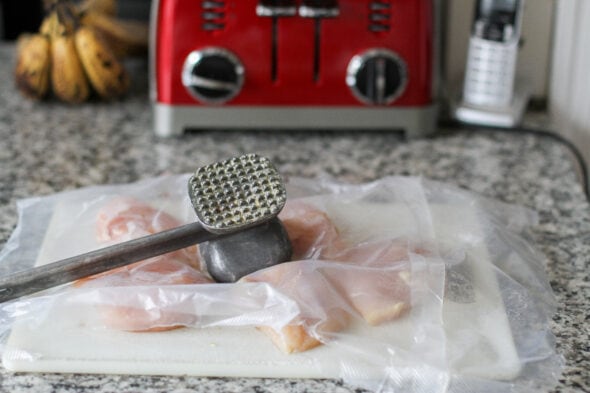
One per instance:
(213,75)
(377,76)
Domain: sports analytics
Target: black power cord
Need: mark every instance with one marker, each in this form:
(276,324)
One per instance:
(534,131)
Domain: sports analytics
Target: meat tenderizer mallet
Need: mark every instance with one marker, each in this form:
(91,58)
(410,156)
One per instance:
(236,201)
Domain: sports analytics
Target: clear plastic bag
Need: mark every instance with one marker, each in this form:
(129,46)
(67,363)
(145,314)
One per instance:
(401,285)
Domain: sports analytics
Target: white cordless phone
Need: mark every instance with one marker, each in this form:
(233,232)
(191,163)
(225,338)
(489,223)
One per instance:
(493,50)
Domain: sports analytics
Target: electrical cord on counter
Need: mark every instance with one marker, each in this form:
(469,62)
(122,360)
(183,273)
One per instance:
(534,131)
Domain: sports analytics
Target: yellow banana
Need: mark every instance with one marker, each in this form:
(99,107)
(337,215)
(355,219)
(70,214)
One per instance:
(46,27)
(33,66)
(51,25)
(104,71)
(68,79)
(125,37)
(21,41)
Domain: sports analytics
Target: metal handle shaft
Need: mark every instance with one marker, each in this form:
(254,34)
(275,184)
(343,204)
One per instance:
(98,261)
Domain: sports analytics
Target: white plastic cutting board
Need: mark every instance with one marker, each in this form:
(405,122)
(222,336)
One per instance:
(245,352)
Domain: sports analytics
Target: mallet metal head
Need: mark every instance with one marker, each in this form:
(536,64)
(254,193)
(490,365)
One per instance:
(236,194)
(241,197)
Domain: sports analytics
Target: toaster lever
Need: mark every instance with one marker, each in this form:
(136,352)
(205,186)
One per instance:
(275,9)
(318,9)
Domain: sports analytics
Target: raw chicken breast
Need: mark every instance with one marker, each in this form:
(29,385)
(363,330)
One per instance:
(127,218)
(124,219)
(377,282)
(331,282)
(311,232)
(379,289)
(321,308)
(369,279)
(151,315)
(161,270)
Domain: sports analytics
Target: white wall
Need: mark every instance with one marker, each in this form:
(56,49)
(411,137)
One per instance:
(535,55)
(569,94)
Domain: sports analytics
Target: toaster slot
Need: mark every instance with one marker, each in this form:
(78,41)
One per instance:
(275,9)
(318,10)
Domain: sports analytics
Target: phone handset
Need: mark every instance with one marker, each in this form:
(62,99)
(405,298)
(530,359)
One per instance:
(492,54)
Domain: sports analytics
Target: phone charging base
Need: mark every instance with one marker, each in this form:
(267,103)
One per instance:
(506,117)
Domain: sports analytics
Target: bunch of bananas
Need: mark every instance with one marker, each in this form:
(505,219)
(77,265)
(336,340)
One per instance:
(78,50)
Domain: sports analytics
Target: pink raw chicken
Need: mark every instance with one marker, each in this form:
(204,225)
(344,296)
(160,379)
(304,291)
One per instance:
(370,279)
(377,282)
(322,309)
(380,290)
(311,232)
(125,219)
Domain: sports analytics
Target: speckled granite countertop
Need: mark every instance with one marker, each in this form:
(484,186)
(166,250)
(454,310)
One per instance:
(50,147)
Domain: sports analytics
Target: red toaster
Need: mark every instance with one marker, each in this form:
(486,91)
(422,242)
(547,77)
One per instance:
(293,64)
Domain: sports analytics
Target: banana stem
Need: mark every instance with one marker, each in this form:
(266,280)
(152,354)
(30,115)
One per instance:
(50,5)
(66,15)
